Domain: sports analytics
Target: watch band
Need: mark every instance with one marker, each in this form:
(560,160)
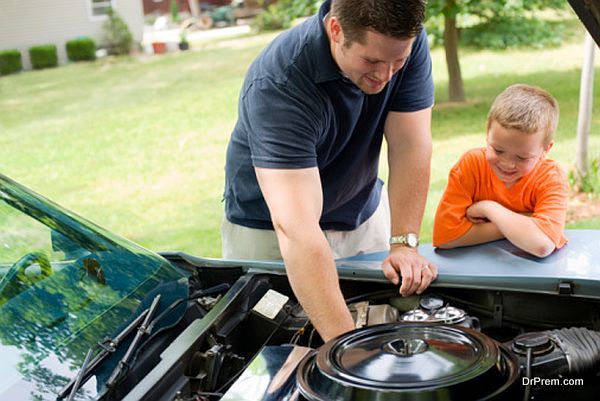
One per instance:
(410,240)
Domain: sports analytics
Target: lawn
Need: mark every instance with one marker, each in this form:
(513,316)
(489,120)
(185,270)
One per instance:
(137,144)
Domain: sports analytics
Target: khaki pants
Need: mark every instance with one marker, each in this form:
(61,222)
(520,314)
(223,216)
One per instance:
(241,242)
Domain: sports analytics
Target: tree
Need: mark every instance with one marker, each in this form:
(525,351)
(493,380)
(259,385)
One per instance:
(194,9)
(584,121)
(117,37)
(453,11)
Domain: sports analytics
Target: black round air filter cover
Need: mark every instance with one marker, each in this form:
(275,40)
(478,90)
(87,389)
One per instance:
(408,362)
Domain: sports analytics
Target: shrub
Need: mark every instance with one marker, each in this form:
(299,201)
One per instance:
(81,49)
(117,37)
(10,62)
(511,32)
(271,20)
(281,14)
(43,56)
(174,8)
(589,183)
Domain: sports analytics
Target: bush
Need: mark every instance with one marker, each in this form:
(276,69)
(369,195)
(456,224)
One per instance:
(589,183)
(10,62)
(81,49)
(43,56)
(117,37)
(511,32)
(174,8)
(271,20)
(281,14)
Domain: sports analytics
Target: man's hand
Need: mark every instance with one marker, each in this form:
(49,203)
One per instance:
(416,271)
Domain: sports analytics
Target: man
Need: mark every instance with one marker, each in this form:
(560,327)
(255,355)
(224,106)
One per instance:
(301,170)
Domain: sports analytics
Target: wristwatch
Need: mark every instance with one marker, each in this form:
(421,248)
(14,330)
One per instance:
(410,240)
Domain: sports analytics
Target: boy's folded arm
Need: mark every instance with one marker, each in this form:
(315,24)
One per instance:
(477,234)
(520,229)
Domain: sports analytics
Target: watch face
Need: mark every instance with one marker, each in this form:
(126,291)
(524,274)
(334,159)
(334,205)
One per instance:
(412,240)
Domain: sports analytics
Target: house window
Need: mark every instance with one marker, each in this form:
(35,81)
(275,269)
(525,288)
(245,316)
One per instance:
(99,8)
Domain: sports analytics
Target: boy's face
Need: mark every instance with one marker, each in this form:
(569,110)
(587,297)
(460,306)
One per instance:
(370,65)
(512,154)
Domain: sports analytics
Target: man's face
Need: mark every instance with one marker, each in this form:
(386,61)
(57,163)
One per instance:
(512,154)
(371,64)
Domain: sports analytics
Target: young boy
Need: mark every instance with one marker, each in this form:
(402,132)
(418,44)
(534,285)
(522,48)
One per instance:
(508,189)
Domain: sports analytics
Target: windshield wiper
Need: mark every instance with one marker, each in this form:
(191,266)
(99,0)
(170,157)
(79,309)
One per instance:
(107,347)
(80,374)
(143,329)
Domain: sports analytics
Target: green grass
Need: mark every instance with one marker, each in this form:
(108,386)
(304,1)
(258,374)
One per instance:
(138,144)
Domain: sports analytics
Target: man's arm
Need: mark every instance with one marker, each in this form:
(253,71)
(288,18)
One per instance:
(519,229)
(295,201)
(408,136)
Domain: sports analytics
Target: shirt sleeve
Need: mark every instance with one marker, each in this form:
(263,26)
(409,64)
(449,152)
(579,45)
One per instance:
(282,125)
(415,91)
(451,220)
(550,210)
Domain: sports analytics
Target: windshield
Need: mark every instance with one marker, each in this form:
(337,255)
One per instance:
(65,284)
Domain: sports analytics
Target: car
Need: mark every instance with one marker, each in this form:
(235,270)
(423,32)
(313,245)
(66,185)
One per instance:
(88,315)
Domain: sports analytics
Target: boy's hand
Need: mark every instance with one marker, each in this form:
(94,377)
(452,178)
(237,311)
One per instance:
(477,212)
(477,220)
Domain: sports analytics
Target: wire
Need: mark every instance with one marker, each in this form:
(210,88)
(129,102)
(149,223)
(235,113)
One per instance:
(200,396)
(219,288)
(296,337)
(310,338)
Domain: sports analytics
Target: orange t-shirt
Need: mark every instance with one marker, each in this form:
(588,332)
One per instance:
(543,192)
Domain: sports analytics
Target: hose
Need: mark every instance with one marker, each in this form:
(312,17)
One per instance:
(580,346)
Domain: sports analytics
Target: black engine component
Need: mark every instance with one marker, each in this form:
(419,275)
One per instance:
(410,362)
(569,351)
(580,346)
(416,348)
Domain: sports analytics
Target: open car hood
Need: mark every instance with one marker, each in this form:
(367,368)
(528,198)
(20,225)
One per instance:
(589,13)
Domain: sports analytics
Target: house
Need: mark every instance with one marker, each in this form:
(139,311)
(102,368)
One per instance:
(27,23)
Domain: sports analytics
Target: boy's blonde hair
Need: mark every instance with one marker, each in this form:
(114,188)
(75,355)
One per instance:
(526,108)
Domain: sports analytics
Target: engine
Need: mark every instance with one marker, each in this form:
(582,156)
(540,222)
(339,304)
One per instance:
(451,344)
(255,343)
(433,351)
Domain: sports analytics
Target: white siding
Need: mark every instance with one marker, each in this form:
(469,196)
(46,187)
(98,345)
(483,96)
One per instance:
(26,23)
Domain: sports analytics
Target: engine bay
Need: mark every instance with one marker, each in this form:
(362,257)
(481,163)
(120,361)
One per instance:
(254,342)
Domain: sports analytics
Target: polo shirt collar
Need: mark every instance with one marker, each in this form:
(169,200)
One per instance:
(325,67)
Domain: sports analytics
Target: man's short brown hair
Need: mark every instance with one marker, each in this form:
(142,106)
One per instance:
(400,19)
(527,109)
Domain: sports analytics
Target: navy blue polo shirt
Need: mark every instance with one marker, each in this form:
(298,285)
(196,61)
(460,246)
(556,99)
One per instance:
(296,110)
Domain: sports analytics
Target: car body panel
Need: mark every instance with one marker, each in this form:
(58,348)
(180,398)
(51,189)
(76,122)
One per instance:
(496,265)
(589,13)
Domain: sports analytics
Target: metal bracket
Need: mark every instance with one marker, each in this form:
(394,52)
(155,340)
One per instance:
(565,288)
(362,314)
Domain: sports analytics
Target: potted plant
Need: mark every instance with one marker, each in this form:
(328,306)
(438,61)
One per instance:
(159,47)
(183,42)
